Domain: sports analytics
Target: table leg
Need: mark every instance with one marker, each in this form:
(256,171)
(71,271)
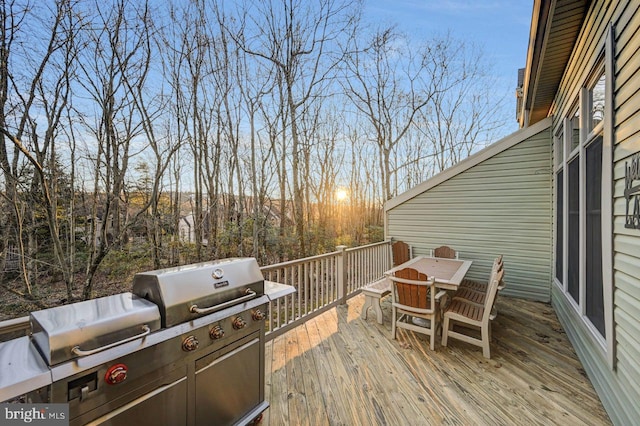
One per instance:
(367,303)
(378,310)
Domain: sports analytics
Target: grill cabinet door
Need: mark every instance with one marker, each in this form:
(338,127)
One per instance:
(229,384)
(165,406)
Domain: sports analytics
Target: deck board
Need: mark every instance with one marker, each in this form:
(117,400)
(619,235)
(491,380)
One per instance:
(338,369)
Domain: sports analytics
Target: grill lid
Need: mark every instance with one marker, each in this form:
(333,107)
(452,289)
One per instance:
(186,292)
(83,328)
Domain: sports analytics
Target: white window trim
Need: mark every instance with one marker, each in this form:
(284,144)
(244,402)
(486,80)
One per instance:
(584,118)
(607,344)
(559,132)
(607,199)
(565,208)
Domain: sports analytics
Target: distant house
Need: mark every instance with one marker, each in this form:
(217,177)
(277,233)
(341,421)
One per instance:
(187,229)
(560,198)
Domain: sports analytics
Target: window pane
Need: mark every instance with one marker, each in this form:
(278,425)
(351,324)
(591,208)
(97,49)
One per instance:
(575,130)
(596,95)
(559,225)
(593,292)
(573,228)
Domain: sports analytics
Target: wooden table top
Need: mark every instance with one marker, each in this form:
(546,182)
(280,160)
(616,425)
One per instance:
(448,273)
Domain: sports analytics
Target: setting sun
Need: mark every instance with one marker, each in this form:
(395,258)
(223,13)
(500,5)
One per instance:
(341,194)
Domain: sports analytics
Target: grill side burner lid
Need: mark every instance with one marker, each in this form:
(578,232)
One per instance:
(83,328)
(186,292)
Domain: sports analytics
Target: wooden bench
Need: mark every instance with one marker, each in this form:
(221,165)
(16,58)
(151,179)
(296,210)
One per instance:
(373,293)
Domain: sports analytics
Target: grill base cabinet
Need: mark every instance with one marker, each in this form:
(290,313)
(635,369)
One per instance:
(226,386)
(221,382)
(166,405)
(185,348)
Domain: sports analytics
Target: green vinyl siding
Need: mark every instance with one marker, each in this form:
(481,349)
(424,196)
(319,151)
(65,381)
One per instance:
(501,205)
(618,385)
(613,392)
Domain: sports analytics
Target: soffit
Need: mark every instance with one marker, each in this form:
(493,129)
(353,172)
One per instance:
(554,30)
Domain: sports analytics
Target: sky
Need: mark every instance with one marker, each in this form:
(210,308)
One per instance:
(499,27)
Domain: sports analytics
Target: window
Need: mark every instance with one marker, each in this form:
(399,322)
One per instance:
(583,172)
(594,301)
(596,101)
(573,228)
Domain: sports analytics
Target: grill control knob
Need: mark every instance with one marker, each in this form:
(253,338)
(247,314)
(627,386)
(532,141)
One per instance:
(216,332)
(258,315)
(238,323)
(190,344)
(116,374)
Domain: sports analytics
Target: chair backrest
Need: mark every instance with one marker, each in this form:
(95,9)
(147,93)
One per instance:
(445,252)
(411,289)
(400,252)
(492,292)
(498,265)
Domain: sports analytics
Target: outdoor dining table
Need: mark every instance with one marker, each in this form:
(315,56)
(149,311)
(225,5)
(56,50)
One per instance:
(447,273)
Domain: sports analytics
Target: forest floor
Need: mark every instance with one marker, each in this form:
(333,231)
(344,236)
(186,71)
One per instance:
(16,302)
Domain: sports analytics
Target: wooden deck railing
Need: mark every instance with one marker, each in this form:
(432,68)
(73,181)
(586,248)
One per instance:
(13,328)
(322,282)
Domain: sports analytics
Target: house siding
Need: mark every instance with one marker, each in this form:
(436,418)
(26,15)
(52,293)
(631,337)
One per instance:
(501,205)
(617,385)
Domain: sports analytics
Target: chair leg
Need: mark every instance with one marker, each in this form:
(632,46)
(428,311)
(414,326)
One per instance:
(445,330)
(485,331)
(393,322)
(432,337)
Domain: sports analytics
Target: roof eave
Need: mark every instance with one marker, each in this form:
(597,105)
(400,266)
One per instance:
(537,37)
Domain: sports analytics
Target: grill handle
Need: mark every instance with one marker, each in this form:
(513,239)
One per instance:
(250,294)
(79,352)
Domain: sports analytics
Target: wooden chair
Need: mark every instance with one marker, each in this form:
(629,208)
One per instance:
(401,252)
(414,296)
(482,286)
(476,292)
(445,252)
(473,315)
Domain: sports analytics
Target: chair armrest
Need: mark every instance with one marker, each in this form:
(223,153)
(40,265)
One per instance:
(442,297)
(441,294)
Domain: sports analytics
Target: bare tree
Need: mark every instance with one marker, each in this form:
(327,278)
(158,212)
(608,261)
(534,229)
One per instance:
(48,95)
(413,94)
(302,39)
(458,120)
(384,82)
(114,70)
(148,111)
(12,17)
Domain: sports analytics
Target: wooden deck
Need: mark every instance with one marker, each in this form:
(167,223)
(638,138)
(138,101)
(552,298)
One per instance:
(338,369)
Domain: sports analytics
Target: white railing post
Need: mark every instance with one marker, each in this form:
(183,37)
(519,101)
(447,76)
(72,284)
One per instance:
(342,274)
(389,242)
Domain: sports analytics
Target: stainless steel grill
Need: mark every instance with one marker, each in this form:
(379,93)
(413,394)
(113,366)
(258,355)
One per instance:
(185,347)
